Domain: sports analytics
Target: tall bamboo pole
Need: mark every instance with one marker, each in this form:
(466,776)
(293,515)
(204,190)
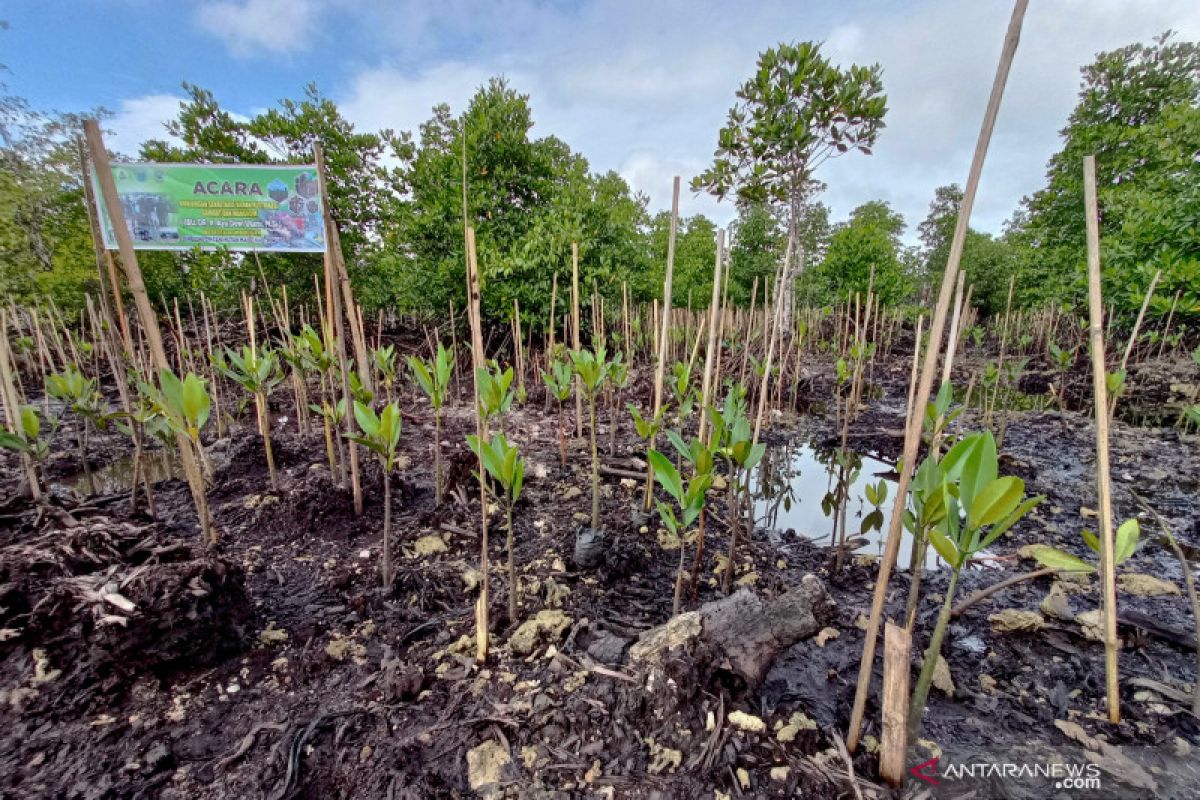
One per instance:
(1103,475)
(477,364)
(664,334)
(912,438)
(151,331)
(714,309)
(334,267)
(575,343)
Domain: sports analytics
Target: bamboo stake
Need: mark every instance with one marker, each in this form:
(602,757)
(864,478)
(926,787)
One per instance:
(1167,328)
(1103,476)
(897,646)
(334,265)
(477,363)
(141,299)
(12,406)
(575,336)
(714,309)
(333,249)
(912,437)
(775,319)
(1138,324)
(724,313)
(664,335)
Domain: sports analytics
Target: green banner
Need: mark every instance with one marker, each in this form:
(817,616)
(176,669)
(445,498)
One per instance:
(218,206)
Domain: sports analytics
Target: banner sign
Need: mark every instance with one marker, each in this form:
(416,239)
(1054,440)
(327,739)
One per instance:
(218,206)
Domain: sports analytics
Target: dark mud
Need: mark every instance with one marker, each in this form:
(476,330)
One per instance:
(274,666)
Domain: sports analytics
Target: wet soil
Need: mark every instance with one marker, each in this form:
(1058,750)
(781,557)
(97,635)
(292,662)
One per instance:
(275,665)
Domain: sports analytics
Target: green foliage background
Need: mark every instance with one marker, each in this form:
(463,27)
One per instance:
(398,200)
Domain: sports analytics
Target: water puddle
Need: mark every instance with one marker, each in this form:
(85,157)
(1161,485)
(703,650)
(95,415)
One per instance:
(117,476)
(791,482)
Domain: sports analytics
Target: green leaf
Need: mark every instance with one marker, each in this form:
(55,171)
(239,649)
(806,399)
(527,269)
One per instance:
(996,501)
(1011,520)
(1126,540)
(1089,538)
(1056,559)
(944,547)
(667,475)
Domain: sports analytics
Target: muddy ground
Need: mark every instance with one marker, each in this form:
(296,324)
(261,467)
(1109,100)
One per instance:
(139,663)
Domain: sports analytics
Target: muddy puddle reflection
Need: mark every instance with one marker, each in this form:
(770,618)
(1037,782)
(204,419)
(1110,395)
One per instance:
(795,487)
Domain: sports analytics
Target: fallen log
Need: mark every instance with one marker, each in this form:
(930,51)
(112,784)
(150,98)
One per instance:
(737,637)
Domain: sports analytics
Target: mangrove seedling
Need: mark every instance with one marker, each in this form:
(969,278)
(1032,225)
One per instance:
(380,433)
(992,505)
(258,373)
(359,392)
(383,359)
(434,379)
(618,379)
(1061,359)
(732,437)
(507,468)
(1124,545)
(683,391)
(29,443)
(291,352)
(319,359)
(143,418)
(185,405)
(558,381)
(690,501)
(495,390)
(81,396)
(592,369)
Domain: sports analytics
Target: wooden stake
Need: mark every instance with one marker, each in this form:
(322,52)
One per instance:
(1103,476)
(137,288)
(1141,315)
(12,406)
(664,334)
(333,250)
(575,336)
(335,265)
(912,439)
(897,646)
(477,363)
(714,309)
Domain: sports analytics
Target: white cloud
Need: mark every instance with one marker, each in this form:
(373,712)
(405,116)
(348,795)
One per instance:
(257,27)
(138,119)
(642,88)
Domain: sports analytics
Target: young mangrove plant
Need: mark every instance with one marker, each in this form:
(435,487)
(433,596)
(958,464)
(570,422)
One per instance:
(380,433)
(992,504)
(495,390)
(558,381)
(1061,359)
(592,369)
(257,372)
(383,360)
(690,501)
(82,397)
(1124,545)
(143,418)
(507,468)
(434,379)
(683,391)
(30,443)
(319,360)
(185,405)
(733,438)
(291,352)
(618,379)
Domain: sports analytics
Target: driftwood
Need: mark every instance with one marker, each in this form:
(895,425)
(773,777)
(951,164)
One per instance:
(737,637)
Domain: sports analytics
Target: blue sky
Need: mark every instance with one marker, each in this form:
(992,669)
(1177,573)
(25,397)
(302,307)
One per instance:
(637,86)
